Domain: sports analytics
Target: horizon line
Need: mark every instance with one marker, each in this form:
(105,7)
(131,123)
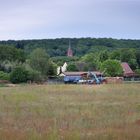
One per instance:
(69,38)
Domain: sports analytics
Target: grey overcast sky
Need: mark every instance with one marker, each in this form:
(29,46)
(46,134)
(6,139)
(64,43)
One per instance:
(40,19)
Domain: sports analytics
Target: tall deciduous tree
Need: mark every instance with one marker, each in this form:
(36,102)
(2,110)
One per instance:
(11,53)
(112,68)
(39,60)
(103,55)
(72,67)
(19,75)
(138,57)
(92,60)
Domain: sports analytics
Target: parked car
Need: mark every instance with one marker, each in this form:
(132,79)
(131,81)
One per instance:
(72,79)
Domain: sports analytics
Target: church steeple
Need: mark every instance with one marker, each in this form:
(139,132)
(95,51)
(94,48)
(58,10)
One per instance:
(69,51)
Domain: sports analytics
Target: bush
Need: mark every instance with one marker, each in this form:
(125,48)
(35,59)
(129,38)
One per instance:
(137,71)
(19,75)
(112,68)
(39,61)
(4,76)
(72,67)
(35,76)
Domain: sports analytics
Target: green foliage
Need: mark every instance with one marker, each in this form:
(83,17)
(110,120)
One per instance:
(138,57)
(52,69)
(92,60)
(72,67)
(98,48)
(60,60)
(8,66)
(116,54)
(80,46)
(35,76)
(111,68)
(81,66)
(89,51)
(39,61)
(137,71)
(11,53)
(19,75)
(133,63)
(4,76)
(126,55)
(103,55)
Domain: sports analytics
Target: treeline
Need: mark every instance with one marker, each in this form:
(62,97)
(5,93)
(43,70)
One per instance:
(17,66)
(36,60)
(108,61)
(80,46)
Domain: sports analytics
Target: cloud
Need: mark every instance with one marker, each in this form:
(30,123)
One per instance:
(20,19)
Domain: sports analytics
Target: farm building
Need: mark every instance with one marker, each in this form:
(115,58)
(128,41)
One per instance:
(127,71)
(83,77)
(84,74)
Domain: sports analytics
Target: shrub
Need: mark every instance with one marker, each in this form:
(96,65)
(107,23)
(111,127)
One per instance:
(19,75)
(137,71)
(4,76)
(112,68)
(72,67)
(35,76)
(39,61)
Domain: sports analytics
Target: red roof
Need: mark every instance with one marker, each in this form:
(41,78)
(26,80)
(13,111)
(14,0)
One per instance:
(127,70)
(80,73)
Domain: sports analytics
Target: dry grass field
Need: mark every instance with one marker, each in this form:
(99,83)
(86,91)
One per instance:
(70,112)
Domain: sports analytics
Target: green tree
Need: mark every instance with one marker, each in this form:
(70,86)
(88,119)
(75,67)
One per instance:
(39,61)
(111,68)
(52,69)
(4,76)
(11,53)
(91,60)
(81,66)
(116,54)
(72,67)
(137,71)
(127,54)
(103,55)
(138,57)
(8,66)
(35,76)
(19,75)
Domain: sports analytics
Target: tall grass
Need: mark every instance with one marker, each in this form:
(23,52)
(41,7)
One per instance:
(70,112)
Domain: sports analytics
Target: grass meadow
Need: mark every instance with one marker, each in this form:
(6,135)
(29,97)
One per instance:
(70,112)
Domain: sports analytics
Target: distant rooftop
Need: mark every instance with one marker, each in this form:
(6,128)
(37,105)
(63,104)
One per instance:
(127,70)
(80,73)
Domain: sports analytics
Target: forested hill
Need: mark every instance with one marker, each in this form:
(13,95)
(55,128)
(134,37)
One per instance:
(80,46)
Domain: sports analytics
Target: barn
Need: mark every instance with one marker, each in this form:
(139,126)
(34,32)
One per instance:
(127,71)
(75,77)
(81,73)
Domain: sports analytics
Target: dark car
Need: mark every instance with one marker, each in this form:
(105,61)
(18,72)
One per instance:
(72,79)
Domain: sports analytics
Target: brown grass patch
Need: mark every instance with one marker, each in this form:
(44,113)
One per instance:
(70,112)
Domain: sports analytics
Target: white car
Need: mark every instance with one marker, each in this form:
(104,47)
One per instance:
(82,81)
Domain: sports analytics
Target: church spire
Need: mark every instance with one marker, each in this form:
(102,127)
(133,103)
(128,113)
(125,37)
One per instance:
(69,51)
